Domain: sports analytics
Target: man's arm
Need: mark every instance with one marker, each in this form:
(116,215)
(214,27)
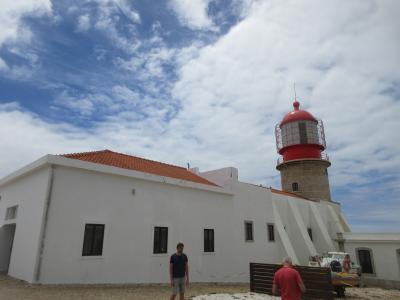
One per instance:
(171,272)
(187,272)
(300,283)
(274,289)
(302,287)
(275,286)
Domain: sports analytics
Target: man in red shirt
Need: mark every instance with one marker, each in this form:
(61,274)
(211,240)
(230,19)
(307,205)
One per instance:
(288,280)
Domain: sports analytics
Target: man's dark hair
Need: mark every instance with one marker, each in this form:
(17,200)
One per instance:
(180,245)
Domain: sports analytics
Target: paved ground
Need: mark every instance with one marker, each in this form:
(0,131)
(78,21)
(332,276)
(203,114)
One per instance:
(11,289)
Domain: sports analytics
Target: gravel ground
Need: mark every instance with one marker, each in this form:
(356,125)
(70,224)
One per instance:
(351,293)
(12,289)
(242,296)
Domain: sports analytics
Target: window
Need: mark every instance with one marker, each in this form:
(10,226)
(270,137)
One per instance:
(208,240)
(295,186)
(248,228)
(160,244)
(309,230)
(11,212)
(365,260)
(93,240)
(271,232)
(303,133)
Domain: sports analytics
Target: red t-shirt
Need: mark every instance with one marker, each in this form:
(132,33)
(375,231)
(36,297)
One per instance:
(288,281)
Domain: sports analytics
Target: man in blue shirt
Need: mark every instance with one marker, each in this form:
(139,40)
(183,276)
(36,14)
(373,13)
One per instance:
(178,268)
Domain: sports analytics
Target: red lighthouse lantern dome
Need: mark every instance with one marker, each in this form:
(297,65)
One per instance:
(300,135)
(297,114)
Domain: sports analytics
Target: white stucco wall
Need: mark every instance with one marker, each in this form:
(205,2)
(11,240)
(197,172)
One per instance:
(386,262)
(81,197)
(253,203)
(29,193)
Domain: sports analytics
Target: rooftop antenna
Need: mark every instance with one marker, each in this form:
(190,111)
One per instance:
(294,87)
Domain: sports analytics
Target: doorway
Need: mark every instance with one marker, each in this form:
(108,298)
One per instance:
(7,233)
(365,259)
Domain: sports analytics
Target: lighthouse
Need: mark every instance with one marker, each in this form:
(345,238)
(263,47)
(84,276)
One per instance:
(300,140)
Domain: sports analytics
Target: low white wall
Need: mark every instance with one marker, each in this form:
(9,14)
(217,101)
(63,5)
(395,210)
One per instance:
(29,193)
(386,263)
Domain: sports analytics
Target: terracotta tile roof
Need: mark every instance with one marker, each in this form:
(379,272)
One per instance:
(124,161)
(276,191)
(288,194)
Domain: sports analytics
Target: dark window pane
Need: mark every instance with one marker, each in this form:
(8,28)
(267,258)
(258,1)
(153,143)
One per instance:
(98,240)
(295,186)
(249,231)
(164,240)
(156,244)
(310,232)
(271,233)
(93,240)
(303,133)
(208,240)
(160,244)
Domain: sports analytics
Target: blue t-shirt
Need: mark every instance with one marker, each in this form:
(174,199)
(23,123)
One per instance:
(179,265)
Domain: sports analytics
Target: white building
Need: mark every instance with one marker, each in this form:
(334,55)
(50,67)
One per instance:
(47,206)
(106,217)
(378,253)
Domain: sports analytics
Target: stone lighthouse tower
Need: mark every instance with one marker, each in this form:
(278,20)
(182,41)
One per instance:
(300,140)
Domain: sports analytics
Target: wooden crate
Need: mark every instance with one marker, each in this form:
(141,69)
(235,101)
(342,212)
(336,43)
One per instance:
(318,281)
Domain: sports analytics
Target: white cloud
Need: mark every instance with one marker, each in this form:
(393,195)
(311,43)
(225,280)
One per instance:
(83,23)
(126,9)
(16,34)
(3,65)
(343,58)
(11,13)
(107,18)
(26,138)
(81,104)
(193,13)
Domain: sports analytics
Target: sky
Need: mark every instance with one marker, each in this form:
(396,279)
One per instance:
(205,82)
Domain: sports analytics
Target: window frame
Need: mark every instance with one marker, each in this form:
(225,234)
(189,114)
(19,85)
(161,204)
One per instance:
(271,238)
(11,213)
(93,239)
(246,232)
(208,245)
(295,184)
(160,249)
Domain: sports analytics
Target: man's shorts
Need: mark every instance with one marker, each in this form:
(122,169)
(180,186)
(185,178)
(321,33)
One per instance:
(179,285)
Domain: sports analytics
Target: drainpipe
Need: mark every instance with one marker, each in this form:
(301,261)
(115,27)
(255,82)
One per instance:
(42,236)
